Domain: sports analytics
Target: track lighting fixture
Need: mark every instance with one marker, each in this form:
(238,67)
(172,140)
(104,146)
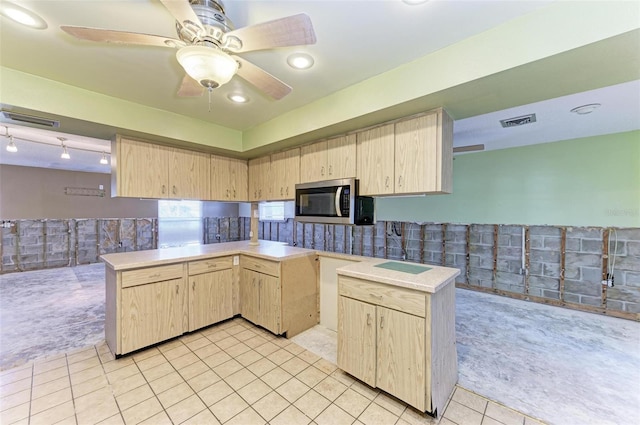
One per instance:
(11,147)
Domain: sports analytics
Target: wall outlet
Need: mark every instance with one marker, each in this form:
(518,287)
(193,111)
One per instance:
(607,282)
(236,260)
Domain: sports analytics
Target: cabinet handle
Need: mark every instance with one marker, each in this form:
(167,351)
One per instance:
(227,193)
(287,190)
(164,188)
(210,266)
(234,193)
(177,289)
(260,193)
(400,181)
(255,194)
(193,285)
(174,190)
(154,275)
(386,182)
(381,322)
(322,171)
(281,191)
(330,169)
(368,319)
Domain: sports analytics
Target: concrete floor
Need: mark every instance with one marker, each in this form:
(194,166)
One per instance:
(562,366)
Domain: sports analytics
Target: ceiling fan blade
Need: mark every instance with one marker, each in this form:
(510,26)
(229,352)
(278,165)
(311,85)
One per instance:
(470,148)
(262,79)
(190,87)
(120,37)
(182,11)
(293,30)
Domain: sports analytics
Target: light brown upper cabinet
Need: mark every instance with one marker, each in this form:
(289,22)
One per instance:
(412,156)
(139,170)
(424,154)
(375,150)
(259,184)
(328,159)
(146,170)
(189,174)
(228,179)
(285,173)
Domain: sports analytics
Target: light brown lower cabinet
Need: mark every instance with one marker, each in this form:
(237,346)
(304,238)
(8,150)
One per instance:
(280,296)
(152,308)
(152,304)
(399,340)
(210,291)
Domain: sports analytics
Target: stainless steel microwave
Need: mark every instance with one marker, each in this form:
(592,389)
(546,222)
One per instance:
(332,202)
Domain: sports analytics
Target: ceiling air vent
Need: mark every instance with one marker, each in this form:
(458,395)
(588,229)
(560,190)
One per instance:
(517,121)
(30,119)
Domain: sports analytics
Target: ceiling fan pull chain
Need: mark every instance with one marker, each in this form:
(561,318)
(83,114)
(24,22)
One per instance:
(210,90)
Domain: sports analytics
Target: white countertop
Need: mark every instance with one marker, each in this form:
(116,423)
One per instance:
(154,257)
(428,281)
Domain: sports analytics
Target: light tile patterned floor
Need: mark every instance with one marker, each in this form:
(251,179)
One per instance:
(231,373)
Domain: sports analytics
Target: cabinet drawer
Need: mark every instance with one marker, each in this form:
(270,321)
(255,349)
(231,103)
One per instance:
(210,265)
(151,274)
(260,265)
(393,297)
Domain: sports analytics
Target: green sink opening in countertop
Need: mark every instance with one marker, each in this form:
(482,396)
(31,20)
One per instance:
(403,267)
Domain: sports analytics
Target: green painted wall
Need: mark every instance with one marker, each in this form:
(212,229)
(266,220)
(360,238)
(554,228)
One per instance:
(593,181)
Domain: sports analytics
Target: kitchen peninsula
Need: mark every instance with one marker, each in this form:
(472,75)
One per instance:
(155,295)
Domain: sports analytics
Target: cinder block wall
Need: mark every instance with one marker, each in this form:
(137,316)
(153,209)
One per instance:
(561,265)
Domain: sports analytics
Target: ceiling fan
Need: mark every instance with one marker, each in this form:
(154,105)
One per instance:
(208,45)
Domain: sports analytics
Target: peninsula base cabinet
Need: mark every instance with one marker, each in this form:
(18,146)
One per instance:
(210,291)
(399,340)
(280,296)
(149,305)
(144,306)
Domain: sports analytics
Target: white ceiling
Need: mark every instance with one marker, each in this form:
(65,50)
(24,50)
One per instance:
(356,40)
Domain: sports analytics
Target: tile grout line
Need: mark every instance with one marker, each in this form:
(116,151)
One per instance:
(104,371)
(73,400)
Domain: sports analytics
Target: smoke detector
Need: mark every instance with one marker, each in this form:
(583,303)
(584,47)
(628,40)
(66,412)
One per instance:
(518,121)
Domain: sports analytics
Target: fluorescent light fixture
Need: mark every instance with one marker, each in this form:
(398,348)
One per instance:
(104,160)
(22,16)
(586,109)
(300,61)
(11,147)
(238,98)
(209,66)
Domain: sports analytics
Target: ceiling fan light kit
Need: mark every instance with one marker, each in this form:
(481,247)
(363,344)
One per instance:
(208,44)
(209,66)
(300,61)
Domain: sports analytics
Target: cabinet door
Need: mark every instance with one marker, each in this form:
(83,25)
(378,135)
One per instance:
(357,339)
(259,186)
(238,176)
(151,313)
(285,173)
(220,179)
(189,176)
(416,155)
(313,162)
(269,302)
(341,157)
(375,150)
(210,298)
(142,169)
(249,295)
(401,356)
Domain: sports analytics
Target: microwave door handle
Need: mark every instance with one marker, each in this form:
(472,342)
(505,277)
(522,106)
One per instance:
(337,201)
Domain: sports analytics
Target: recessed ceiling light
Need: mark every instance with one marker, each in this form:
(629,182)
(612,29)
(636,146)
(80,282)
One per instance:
(238,98)
(300,61)
(586,109)
(22,16)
